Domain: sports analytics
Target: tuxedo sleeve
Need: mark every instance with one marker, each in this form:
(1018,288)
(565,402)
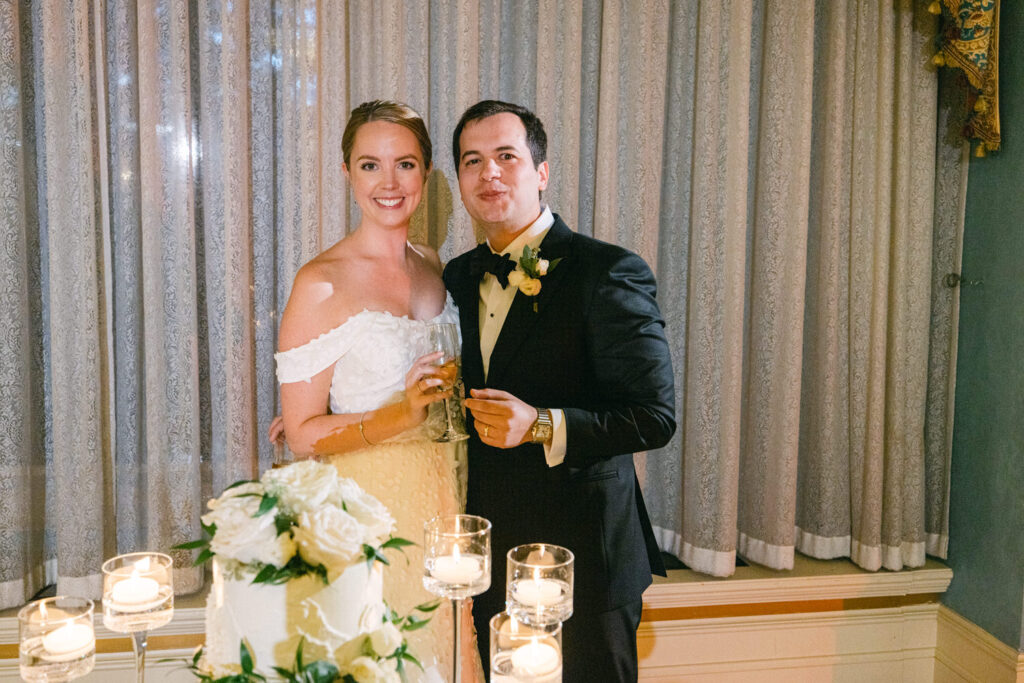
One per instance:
(630,368)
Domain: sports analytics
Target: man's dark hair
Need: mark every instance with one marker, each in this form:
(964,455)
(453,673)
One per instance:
(536,138)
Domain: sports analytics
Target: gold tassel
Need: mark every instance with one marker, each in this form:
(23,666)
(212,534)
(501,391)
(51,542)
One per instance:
(935,8)
(938,59)
(979,151)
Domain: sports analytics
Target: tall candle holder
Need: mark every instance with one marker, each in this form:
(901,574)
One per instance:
(56,639)
(521,653)
(138,596)
(457,565)
(539,585)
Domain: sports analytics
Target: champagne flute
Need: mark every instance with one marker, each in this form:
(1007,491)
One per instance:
(444,337)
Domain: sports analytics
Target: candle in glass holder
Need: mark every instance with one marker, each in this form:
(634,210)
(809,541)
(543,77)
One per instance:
(521,653)
(539,583)
(56,639)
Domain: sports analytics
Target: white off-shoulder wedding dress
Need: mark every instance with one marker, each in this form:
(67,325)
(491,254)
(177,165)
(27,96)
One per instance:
(414,476)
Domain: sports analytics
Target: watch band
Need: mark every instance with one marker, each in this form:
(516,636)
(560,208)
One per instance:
(543,428)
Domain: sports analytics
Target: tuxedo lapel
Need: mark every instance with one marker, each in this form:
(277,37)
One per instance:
(527,312)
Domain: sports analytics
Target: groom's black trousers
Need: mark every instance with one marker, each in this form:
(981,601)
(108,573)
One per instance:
(603,646)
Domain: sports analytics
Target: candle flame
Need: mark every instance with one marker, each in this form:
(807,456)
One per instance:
(141,566)
(42,611)
(455,554)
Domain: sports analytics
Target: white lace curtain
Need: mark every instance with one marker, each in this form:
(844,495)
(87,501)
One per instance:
(168,165)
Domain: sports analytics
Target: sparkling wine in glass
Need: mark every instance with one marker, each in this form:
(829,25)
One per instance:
(444,337)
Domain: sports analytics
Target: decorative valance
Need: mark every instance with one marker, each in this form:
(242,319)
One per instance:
(969,41)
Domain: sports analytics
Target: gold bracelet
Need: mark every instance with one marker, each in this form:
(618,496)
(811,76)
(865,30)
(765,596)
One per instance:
(362,431)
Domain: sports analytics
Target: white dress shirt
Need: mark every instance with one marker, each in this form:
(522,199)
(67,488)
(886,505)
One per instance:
(495,302)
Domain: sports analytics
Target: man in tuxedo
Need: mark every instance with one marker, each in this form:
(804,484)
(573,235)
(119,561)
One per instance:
(565,381)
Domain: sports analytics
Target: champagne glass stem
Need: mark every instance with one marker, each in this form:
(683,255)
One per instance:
(450,432)
(457,663)
(139,646)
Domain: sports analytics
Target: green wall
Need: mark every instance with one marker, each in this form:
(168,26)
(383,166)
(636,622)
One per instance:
(986,535)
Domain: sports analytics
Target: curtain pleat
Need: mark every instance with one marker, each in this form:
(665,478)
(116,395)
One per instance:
(778,248)
(77,315)
(169,165)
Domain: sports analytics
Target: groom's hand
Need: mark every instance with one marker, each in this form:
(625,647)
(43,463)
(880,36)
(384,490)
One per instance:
(502,420)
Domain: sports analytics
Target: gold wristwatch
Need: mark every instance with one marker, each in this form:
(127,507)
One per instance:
(542,429)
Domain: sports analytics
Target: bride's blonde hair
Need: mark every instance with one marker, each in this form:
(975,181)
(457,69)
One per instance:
(391,112)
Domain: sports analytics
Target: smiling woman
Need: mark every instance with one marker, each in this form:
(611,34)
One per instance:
(357,374)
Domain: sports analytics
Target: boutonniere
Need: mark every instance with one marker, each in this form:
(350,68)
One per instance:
(530,269)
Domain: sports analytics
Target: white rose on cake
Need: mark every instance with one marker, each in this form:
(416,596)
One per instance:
(373,515)
(302,486)
(386,639)
(241,535)
(329,536)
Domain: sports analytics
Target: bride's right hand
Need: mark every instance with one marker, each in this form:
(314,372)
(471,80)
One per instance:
(426,383)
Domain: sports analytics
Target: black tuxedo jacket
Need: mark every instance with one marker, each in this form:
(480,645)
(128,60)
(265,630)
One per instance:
(591,343)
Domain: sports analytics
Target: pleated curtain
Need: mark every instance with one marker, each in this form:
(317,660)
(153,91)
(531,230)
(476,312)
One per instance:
(783,166)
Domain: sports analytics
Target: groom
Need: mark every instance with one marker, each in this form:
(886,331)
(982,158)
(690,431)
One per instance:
(568,373)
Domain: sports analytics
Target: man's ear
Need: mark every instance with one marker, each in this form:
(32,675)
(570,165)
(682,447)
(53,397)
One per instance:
(542,170)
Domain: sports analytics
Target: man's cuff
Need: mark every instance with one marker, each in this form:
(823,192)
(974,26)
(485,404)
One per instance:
(554,453)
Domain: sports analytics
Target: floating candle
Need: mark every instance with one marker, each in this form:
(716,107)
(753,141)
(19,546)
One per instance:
(134,593)
(68,642)
(534,660)
(537,592)
(457,568)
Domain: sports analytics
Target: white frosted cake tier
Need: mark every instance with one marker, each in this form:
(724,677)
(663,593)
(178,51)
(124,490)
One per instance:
(272,619)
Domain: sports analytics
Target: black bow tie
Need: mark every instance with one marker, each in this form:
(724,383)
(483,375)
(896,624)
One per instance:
(486,261)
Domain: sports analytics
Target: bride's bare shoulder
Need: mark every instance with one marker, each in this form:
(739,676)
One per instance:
(321,298)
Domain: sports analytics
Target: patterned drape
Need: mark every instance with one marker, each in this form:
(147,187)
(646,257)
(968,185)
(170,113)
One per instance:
(168,165)
(969,42)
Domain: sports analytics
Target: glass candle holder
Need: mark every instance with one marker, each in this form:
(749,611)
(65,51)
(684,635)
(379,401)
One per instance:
(521,653)
(138,593)
(56,639)
(538,590)
(457,556)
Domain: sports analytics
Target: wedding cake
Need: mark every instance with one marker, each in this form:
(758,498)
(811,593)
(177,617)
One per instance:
(297,579)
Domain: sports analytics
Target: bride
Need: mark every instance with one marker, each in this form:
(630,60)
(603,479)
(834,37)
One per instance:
(355,389)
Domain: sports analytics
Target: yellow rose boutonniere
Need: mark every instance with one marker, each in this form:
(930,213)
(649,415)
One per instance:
(531,268)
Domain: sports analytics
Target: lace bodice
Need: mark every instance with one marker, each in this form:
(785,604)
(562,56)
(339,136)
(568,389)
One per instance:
(371,352)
